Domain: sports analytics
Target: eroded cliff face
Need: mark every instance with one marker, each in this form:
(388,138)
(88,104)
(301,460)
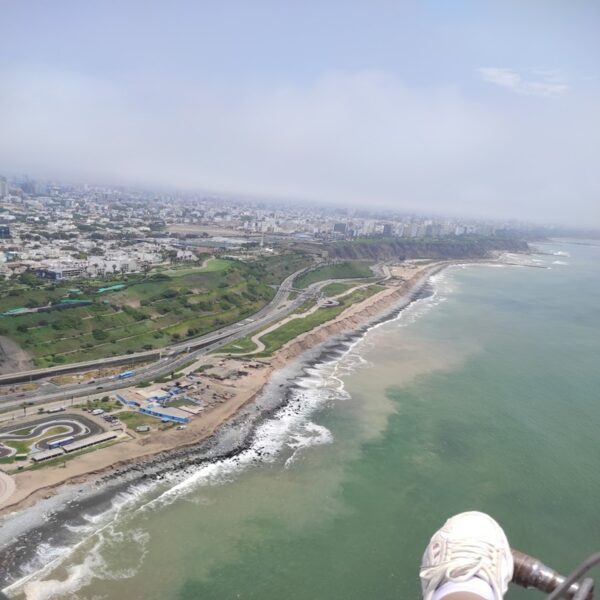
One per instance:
(400,249)
(350,320)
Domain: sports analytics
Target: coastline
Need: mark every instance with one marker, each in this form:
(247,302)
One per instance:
(34,486)
(44,513)
(51,513)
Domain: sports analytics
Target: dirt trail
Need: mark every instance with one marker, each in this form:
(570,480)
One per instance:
(13,357)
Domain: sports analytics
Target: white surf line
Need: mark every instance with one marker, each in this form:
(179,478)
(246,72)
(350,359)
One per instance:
(68,552)
(208,473)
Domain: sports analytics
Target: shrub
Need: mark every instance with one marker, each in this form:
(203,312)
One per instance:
(100,334)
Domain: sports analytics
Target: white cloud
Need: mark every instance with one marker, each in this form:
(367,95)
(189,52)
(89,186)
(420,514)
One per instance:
(548,83)
(355,138)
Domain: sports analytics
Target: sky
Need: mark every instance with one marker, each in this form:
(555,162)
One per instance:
(484,109)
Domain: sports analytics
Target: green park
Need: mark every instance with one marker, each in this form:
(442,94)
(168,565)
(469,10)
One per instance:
(88,319)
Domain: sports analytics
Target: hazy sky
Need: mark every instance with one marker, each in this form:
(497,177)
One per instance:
(482,108)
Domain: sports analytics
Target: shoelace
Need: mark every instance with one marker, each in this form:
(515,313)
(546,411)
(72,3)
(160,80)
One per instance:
(466,559)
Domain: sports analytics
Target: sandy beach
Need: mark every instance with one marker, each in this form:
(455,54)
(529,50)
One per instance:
(32,486)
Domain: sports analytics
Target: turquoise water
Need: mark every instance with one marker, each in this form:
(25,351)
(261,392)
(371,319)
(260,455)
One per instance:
(485,396)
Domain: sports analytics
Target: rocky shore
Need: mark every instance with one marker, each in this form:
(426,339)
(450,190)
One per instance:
(42,514)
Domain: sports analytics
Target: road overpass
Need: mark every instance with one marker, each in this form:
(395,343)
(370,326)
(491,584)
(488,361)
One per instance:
(170,358)
(156,354)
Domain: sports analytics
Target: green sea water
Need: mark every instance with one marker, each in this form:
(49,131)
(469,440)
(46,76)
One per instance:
(485,396)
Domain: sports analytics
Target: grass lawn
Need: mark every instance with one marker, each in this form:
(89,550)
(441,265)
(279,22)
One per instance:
(105,405)
(277,338)
(21,447)
(177,402)
(342,270)
(212,264)
(152,311)
(274,269)
(215,264)
(135,419)
(24,446)
(333,289)
(240,346)
(306,306)
(24,431)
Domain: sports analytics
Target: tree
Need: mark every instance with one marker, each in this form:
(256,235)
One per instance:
(99,334)
(30,279)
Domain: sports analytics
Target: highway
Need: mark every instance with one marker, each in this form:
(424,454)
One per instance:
(128,359)
(174,357)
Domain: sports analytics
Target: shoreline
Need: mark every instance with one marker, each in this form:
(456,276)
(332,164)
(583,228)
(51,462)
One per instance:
(352,322)
(44,517)
(45,511)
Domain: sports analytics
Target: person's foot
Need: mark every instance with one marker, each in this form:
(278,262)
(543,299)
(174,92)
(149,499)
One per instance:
(469,545)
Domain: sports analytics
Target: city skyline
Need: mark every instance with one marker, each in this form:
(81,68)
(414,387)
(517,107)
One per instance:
(463,110)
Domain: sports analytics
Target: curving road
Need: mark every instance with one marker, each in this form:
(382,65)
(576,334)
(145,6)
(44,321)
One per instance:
(177,356)
(124,359)
(77,426)
(174,357)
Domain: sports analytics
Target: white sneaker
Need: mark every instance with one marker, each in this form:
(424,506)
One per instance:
(469,545)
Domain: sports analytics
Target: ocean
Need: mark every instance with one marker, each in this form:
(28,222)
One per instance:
(485,395)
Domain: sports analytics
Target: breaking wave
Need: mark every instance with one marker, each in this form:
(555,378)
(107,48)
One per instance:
(59,571)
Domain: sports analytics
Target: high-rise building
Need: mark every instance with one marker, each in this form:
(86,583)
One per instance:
(3,187)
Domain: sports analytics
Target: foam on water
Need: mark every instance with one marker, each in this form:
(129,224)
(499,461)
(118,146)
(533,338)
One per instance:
(289,428)
(315,435)
(284,437)
(98,528)
(94,565)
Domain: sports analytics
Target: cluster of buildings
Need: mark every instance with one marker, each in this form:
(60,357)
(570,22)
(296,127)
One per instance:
(65,231)
(171,403)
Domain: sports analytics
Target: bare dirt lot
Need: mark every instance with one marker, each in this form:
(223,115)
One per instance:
(13,357)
